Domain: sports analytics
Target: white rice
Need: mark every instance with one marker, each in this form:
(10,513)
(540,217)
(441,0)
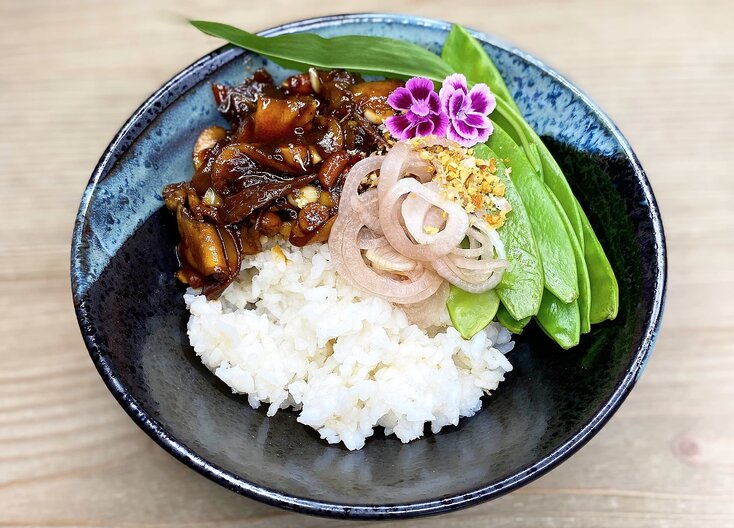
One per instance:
(295,334)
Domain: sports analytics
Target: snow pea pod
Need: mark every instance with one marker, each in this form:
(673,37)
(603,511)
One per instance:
(584,298)
(545,164)
(558,184)
(513,123)
(603,283)
(471,312)
(559,320)
(556,252)
(509,322)
(466,55)
(522,283)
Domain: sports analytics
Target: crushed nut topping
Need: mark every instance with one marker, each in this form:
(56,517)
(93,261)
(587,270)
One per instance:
(472,182)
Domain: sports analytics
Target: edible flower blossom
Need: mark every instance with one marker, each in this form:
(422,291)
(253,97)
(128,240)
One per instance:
(421,115)
(467,110)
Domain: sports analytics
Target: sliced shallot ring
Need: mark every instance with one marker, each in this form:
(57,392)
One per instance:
(419,214)
(368,239)
(348,260)
(431,311)
(385,258)
(414,210)
(481,225)
(499,247)
(457,222)
(446,269)
(394,167)
(478,245)
(353,179)
(477,265)
(366,206)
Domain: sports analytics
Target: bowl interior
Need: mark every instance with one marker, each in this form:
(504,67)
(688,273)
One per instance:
(133,316)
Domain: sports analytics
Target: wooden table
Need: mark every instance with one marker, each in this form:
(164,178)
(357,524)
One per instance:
(73,71)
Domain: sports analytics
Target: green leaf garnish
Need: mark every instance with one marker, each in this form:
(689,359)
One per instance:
(358,53)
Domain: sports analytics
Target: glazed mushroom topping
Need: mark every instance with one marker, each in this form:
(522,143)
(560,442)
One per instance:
(276,171)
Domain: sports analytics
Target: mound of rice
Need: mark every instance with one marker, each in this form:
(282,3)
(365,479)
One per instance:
(291,333)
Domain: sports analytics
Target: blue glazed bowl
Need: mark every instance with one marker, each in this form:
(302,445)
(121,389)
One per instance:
(133,319)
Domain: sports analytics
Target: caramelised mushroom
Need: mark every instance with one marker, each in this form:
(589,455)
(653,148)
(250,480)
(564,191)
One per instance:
(332,169)
(201,246)
(277,171)
(371,99)
(241,205)
(207,140)
(279,118)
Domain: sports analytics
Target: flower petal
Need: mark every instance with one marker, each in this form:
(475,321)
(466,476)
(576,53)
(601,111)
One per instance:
(410,132)
(457,81)
(400,99)
(420,108)
(456,105)
(451,84)
(420,87)
(453,136)
(464,130)
(434,103)
(481,99)
(484,134)
(425,128)
(476,120)
(414,118)
(398,126)
(445,95)
(440,124)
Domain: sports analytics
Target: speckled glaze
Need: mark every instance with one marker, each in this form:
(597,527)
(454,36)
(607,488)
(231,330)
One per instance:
(133,318)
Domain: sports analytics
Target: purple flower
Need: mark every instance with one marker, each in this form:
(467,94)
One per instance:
(421,107)
(467,110)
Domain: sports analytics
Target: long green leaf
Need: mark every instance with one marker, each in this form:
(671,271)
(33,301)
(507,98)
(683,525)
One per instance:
(360,53)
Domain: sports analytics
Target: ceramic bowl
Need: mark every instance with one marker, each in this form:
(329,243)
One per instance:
(133,319)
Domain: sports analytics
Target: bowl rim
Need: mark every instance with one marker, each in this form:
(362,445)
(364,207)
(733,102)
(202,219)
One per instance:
(174,89)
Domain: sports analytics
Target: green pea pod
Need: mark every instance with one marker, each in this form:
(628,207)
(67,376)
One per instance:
(471,312)
(559,320)
(522,282)
(554,246)
(465,54)
(603,283)
(513,325)
(543,162)
(584,298)
(513,123)
(558,184)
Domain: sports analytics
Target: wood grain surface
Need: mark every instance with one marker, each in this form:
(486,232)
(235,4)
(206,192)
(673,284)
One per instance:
(72,72)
